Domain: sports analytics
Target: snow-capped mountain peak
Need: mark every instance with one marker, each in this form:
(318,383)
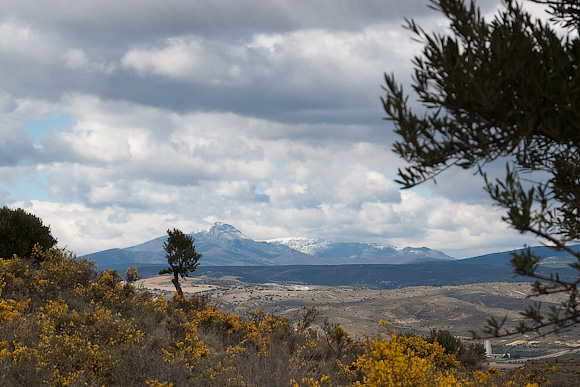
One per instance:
(304,245)
(222,244)
(222,230)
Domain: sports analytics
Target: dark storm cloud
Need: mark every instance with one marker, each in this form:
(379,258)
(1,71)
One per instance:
(130,21)
(83,48)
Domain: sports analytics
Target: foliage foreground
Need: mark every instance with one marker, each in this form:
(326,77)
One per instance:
(495,93)
(65,324)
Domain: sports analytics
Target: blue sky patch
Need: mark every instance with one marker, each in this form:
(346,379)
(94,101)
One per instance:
(30,187)
(60,123)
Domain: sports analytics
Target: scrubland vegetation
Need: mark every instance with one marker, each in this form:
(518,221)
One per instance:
(64,323)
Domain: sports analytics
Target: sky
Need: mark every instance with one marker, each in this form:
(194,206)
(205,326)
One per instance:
(122,119)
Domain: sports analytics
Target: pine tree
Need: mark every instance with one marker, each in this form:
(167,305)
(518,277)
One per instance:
(503,91)
(181,256)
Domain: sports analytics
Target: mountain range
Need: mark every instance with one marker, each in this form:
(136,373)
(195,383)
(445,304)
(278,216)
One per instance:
(224,245)
(229,253)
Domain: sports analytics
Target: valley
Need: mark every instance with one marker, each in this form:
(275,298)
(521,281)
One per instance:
(459,309)
(357,285)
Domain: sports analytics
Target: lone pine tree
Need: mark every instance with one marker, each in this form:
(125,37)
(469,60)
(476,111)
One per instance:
(181,256)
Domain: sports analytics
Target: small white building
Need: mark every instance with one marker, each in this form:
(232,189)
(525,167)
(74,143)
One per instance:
(490,355)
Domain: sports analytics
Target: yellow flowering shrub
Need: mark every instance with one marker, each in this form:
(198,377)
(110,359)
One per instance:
(109,289)
(482,379)
(82,345)
(190,350)
(17,352)
(61,271)
(406,361)
(132,274)
(157,383)
(266,328)
(324,381)
(15,275)
(10,309)
(64,324)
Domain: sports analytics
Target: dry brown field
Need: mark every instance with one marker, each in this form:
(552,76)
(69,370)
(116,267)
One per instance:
(459,309)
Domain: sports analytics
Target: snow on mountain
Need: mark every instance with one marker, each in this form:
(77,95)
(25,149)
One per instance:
(222,231)
(304,245)
(224,245)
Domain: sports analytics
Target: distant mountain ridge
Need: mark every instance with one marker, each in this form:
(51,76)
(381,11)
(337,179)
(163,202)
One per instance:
(550,256)
(224,245)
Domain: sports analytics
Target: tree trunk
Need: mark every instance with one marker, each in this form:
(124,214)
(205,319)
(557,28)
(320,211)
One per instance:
(175,281)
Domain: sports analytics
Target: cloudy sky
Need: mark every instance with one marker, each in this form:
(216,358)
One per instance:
(121,119)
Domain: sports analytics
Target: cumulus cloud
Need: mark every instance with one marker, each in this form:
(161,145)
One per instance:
(24,42)
(265,115)
(76,59)
(188,59)
(140,162)
(346,66)
(16,146)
